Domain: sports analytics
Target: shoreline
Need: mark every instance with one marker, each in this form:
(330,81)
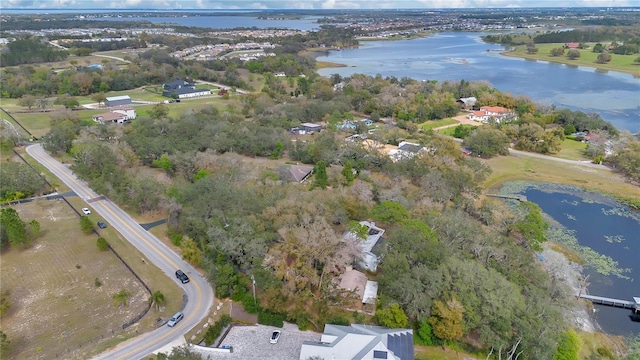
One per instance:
(558,266)
(513,54)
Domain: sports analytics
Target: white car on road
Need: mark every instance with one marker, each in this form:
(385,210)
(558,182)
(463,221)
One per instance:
(86,211)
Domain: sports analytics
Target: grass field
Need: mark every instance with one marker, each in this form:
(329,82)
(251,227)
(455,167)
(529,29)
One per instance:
(449,131)
(572,150)
(430,125)
(621,63)
(57,309)
(437,353)
(510,168)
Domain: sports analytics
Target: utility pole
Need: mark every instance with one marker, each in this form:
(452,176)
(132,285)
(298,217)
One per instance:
(253,281)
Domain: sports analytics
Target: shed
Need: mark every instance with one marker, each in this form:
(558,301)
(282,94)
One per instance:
(118,100)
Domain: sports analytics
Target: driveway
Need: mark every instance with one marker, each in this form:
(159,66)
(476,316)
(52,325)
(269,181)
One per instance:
(252,343)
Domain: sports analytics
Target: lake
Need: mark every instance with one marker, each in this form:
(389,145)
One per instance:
(606,227)
(455,56)
(225,22)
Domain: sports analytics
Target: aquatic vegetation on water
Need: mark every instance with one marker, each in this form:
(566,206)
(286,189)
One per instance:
(614,238)
(619,212)
(570,217)
(574,203)
(603,264)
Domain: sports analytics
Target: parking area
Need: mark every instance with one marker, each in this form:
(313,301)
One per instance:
(252,343)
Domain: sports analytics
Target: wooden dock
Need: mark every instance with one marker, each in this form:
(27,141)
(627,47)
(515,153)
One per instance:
(625,304)
(514,197)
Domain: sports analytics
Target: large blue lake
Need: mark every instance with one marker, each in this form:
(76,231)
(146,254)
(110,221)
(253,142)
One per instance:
(225,22)
(455,56)
(608,228)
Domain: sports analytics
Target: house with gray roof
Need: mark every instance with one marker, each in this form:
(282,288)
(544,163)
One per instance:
(183,89)
(406,150)
(468,102)
(368,260)
(360,342)
(117,101)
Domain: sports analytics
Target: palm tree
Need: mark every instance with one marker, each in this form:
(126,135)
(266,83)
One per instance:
(121,297)
(158,299)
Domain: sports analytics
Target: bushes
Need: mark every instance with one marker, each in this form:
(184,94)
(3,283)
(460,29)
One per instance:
(86,225)
(268,318)
(216,329)
(102,244)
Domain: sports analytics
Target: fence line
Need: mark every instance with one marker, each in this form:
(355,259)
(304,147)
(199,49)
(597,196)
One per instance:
(17,122)
(148,307)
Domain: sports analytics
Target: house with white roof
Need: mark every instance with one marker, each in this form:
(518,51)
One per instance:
(368,260)
(406,150)
(360,342)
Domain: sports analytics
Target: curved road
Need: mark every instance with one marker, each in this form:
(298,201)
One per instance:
(198,291)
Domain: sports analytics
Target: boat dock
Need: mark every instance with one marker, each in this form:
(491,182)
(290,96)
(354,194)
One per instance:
(514,197)
(625,304)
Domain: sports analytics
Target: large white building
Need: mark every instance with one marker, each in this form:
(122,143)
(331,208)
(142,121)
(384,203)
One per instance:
(360,342)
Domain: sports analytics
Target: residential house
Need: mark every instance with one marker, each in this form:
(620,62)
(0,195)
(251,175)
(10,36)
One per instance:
(118,101)
(368,260)
(299,173)
(488,114)
(572,45)
(311,127)
(127,111)
(467,102)
(110,117)
(118,115)
(183,89)
(360,342)
(357,281)
(306,128)
(406,150)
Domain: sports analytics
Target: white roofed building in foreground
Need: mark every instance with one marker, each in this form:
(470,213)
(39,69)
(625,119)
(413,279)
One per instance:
(360,342)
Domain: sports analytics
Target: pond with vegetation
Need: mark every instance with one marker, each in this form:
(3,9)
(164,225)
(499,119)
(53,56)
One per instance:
(604,233)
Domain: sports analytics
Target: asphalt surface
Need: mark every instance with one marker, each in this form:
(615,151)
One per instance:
(199,292)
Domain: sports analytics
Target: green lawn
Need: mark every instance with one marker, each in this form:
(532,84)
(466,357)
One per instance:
(510,168)
(39,123)
(572,150)
(449,131)
(139,94)
(621,63)
(430,125)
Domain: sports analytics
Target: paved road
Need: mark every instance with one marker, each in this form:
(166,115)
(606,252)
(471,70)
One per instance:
(199,292)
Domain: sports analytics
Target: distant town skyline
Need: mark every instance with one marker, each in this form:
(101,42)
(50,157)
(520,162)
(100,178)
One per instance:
(304,4)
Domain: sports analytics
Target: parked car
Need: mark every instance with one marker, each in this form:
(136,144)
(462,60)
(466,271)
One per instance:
(275,336)
(182,276)
(102,225)
(175,319)
(86,211)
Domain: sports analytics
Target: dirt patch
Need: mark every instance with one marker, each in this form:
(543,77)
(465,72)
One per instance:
(57,310)
(238,313)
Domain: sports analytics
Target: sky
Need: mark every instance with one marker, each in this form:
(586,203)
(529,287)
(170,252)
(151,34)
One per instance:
(304,4)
